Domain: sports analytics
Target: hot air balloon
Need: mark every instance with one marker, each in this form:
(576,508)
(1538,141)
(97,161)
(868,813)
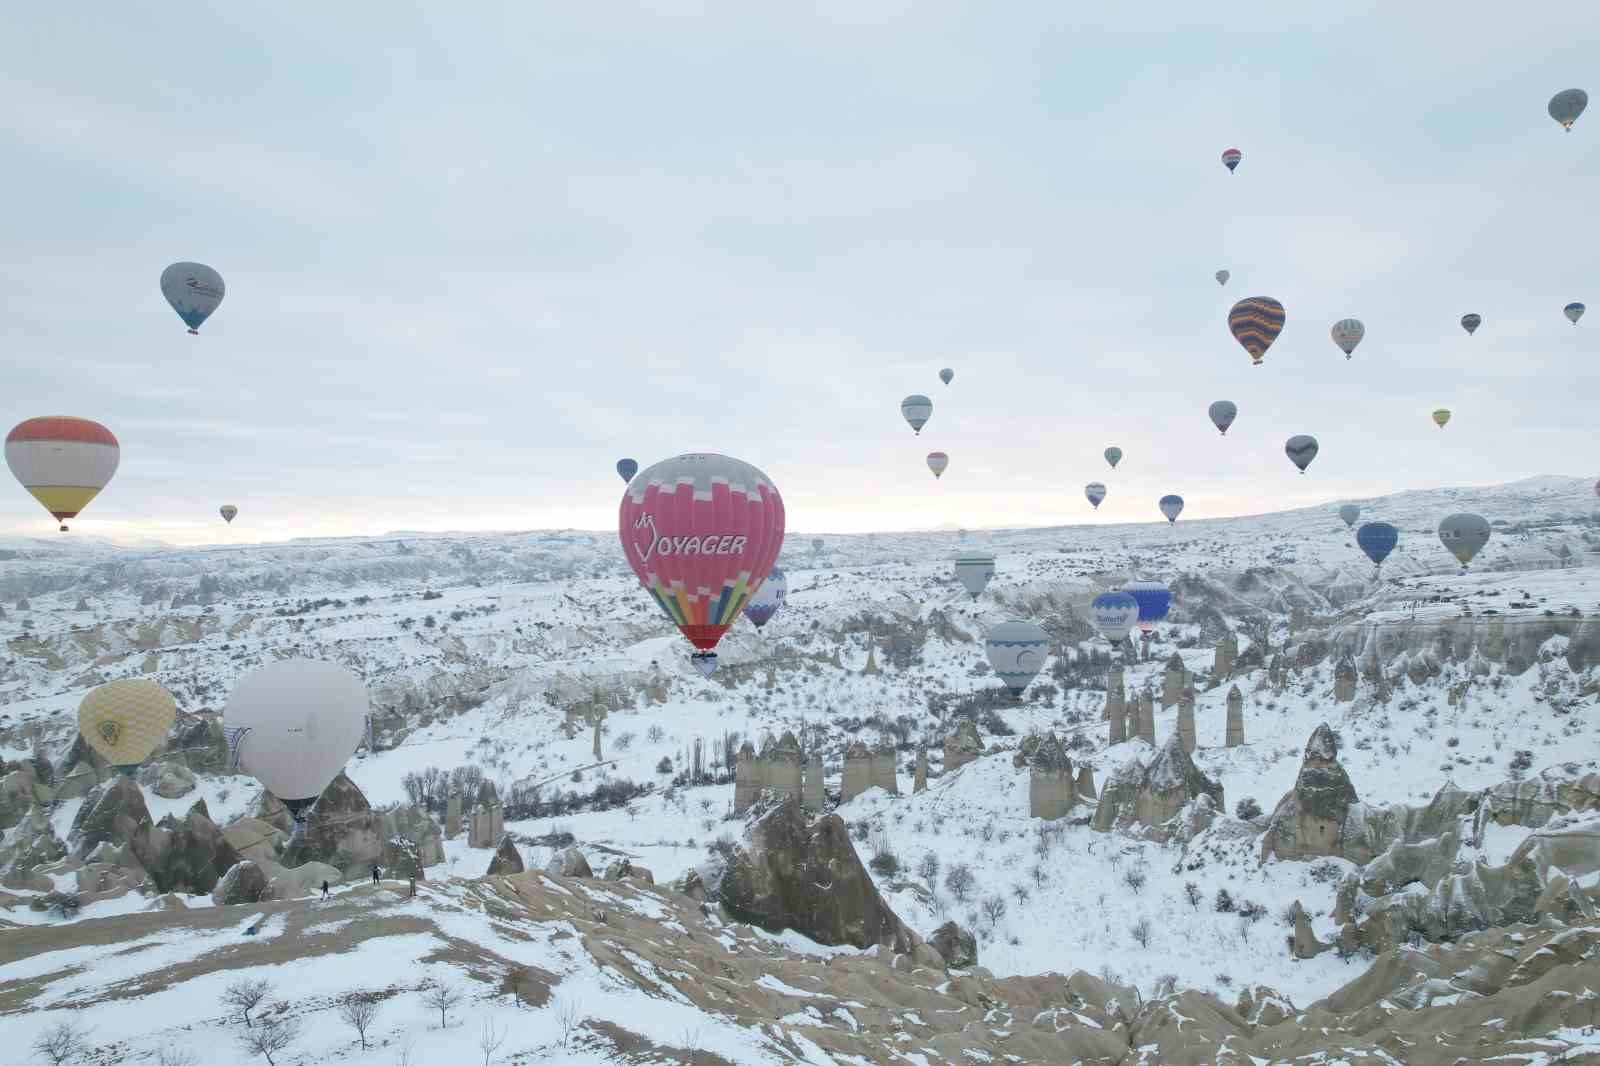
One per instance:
(1347,333)
(1113,614)
(1222,413)
(701,533)
(1464,535)
(973,570)
(917,410)
(62,461)
(816,545)
(1377,539)
(1154,600)
(123,721)
(1172,507)
(765,603)
(1113,456)
(1470,323)
(1222,277)
(1095,491)
(228,512)
(626,468)
(1349,512)
(1231,157)
(1566,105)
(1301,449)
(947,375)
(1255,323)
(194,290)
(1441,416)
(1573,311)
(937,461)
(293,724)
(1017,651)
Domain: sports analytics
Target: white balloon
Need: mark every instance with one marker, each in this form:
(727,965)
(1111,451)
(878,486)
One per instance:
(304,719)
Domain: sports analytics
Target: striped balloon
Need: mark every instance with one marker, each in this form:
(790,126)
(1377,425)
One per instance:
(1471,322)
(937,462)
(62,461)
(1347,333)
(1255,323)
(1095,491)
(1231,157)
(1301,449)
(1573,311)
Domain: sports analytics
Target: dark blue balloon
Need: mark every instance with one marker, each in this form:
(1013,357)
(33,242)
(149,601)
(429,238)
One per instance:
(1377,539)
(627,468)
(1154,600)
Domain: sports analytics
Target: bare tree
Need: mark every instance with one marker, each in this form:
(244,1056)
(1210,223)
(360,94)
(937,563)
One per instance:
(359,1010)
(442,998)
(272,1036)
(62,1042)
(959,880)
(994,908)
(569,1012)
(246,995)
(1141,932)
(490,1040)
(176,1056)
(691,1044)
(402,1057)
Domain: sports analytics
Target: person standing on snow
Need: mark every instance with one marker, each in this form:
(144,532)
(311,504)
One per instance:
(374,873)
(324,890)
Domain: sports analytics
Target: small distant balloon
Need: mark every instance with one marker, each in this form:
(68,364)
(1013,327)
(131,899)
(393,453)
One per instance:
(1464,535)
(1172,507)
(768,598)
(937,461)
(1113,456)
(1222,277)
(1441,416)
(229,512)
(1349,512)
(1347,333)
(1095,491)
(1017,650)
(1301,449)
(947,375)
(1255,323)
(1377,540)
(1231,157)
(1566,105)
(1573,311)
(974,570)
(1222,413)
(626,468)
(917,409)
(1470,323)
(816,545)
(194,290)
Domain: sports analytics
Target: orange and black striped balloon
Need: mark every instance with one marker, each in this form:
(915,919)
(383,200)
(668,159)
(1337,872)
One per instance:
(1255,323)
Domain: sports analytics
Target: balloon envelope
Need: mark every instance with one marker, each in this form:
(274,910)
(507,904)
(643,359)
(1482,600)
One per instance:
(1470,323)
(1017,651)
(917,409)
(1095,491)
(1349,512)
(1301,449)
(1113,614)
(1172,507)
(194,290)
(1573,311)
(62,461)
(626,468)
(1441,416)
(1566,105)
(1255,323)
(1347,333)
(1222,277)
(123,721)
(701,532)
(1231,157)
(816,544)
(303,719)
(1377,539)
(228,512)
(1464,535)
(1113,456)
(937,461)
(1222,413)
(947,375)
(973,570)
(1154,600)
(765,603)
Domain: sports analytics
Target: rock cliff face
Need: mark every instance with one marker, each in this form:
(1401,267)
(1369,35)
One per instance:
(342,830)
(1310,820)
(791,873)
(1151,795)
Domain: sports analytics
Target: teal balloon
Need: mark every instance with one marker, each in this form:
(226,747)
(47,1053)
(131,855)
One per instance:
(194,290)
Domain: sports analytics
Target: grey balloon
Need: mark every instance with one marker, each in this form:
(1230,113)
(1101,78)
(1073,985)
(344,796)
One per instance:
(194,290)
(1566,105)
(1349,512)
(917,409)
(1222,277)
(947,375)
(1464,535)
(1171,506)
(1301,449)
(1017,651)
(1113,456)
(1222,413)
(1095,491)
(973,570)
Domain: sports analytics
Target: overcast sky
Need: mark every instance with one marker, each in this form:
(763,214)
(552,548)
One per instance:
(473,258)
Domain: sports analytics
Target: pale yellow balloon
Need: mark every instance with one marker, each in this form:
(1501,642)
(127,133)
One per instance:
(124,721)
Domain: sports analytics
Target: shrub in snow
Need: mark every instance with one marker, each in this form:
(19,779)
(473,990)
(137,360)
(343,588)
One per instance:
(1224,903)
(959,881)
(1248,809)
(1141,931)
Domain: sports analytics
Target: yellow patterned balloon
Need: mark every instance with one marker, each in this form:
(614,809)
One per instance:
(124,720)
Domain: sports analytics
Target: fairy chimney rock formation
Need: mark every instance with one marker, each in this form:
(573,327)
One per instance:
(597,740)
(1174,679)
(1152,794)
(746,787)
(1051,789)
(871,669)
(1119,724)
(1227,652)
(1116,694)
(857,772)
(1235,735)
(1147,717)
(920,781)
(962,746)
(1085,785)
(1310,819)
(785,769)
(882,773)
(813,783)
(1344,680)
(1186,720)
(452,816)
(488,818)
